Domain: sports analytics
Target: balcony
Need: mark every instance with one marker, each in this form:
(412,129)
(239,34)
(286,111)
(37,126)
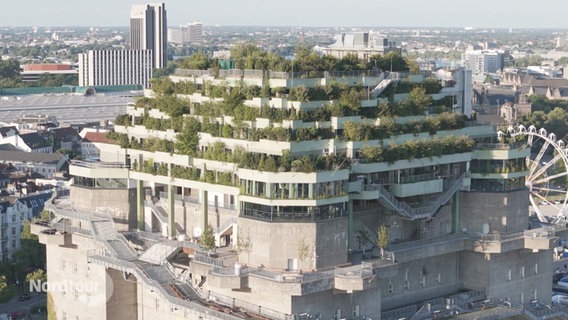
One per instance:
(98,169)
(355,278)
(539,239)
(535,240)
(228,278)
(418,185)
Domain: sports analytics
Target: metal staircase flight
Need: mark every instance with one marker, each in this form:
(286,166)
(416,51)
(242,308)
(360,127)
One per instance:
(423,212)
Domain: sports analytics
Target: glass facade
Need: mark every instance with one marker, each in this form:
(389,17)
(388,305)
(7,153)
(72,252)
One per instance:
(498,185)
(293,213)
(321,190)
(100,183)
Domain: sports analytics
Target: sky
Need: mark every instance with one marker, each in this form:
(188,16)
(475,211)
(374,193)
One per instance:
(307,13)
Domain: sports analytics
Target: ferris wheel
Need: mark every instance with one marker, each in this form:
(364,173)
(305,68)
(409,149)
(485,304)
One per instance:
(547,172)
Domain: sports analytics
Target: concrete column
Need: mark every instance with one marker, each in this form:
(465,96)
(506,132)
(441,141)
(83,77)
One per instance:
(456,212)
(350,224)
(171,212)
(140,205)
(204,208)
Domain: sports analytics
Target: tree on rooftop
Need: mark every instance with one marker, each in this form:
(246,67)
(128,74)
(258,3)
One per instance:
(383,238)
(208,238)
(303,251)
(418,100)
(198,61)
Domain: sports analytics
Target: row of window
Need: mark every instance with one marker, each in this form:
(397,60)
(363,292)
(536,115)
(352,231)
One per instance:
(294,190)
(293,213)
(407,283)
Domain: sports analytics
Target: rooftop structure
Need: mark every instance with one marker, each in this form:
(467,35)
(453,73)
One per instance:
(361,44)
(331,211)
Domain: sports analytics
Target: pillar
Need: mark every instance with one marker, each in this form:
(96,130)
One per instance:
(204,208)
(456,212)
(171,212)
(350,225)
(140,205)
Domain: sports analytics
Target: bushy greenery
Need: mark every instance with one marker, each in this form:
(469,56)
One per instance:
(416,149)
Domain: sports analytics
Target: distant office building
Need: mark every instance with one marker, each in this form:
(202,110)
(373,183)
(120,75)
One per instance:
(188,33)
(32,72)
(483,61)
(115,67)
(148,30)
(361,44)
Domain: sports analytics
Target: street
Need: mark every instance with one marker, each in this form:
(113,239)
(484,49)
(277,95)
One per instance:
(14,305)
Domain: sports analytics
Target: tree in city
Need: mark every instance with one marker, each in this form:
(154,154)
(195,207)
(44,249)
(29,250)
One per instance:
(208,238)
(383,238)
(10,73)
(37,275)
(7,291)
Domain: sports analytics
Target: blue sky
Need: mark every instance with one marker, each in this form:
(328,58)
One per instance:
(342,13)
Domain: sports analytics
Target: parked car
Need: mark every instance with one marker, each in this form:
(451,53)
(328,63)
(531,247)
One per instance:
(24,297)
(557,275)
(563,282)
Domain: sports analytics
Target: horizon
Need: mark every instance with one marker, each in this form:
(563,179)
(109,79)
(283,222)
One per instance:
(480,14)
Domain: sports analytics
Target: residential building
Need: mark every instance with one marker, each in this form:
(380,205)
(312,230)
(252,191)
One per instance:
(303,203)
(362,44)
(483,61)
(115,67)
(47,165)
(90,145)
(188,33)
(32,72)
(149,31)
(14,211)
(29,142)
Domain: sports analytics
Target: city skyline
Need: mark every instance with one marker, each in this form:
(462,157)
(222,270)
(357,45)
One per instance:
(437,13)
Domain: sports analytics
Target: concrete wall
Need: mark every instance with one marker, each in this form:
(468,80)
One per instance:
(505,212)
(121,204)
(441,277)
(275,243)
(327,304)
(512,275)
(123,302)
(68,265)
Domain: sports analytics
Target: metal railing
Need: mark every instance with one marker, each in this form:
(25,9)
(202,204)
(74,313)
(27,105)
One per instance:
(189,306)
(210,203)
(207,260)
(424,211)
(99,164)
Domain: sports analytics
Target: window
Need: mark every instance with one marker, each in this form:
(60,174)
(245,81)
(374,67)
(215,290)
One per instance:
(536,268)
(157,303)
(337,315)
(356,310)
(75,294)
(75,267)
(422,280)
(62,264)
(522,272)
(439,278)
(406,284)
(508,276)
(390,288)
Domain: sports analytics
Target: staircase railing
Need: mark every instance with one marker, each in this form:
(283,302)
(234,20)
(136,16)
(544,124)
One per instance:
(424,211)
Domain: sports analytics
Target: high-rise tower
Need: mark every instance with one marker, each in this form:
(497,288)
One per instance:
(148,30)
